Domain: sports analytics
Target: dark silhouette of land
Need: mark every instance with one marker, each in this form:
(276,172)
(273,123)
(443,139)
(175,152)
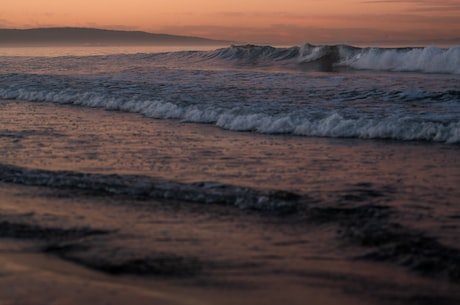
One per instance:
(90,36)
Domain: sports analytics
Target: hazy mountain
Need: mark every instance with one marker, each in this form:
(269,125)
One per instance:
(89,36)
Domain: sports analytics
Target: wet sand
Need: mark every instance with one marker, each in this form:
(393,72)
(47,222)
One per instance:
(118,250)
(371,214)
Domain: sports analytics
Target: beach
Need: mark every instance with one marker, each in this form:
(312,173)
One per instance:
(111,207)
(319,174)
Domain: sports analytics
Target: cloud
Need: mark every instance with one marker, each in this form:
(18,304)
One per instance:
(437,9)
(449,18)
(233,14)
(256,14)
(423,2)
(4,23)
(424,5)
(407,18)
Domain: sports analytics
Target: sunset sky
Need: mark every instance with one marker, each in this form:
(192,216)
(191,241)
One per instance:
(257,21)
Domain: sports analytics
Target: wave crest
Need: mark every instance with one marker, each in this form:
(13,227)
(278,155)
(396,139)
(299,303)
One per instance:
(331,124)
(403,127)
(330,57)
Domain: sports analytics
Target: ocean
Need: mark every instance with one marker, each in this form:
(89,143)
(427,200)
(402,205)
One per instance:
(245,174)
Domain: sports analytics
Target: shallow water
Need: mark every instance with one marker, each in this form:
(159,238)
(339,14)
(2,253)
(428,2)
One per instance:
(351,199)
(230,175)
(361,93)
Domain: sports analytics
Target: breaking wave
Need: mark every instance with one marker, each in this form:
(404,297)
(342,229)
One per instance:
(330,57)
(204,87)
(308,57)
(324,123)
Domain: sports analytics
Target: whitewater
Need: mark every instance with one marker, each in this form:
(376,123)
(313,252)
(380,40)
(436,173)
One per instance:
(335,91)
(247,174)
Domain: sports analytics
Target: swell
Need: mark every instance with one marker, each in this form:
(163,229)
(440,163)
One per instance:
(326,58)
(429,59)
(333,57)
(146,187)
(423,59)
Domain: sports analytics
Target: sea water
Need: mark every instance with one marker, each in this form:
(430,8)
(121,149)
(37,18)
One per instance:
(328,91)
(365,138)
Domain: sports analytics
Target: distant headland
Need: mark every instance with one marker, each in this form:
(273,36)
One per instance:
(92,36)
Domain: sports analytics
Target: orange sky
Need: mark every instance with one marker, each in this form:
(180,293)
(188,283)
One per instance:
(257,21)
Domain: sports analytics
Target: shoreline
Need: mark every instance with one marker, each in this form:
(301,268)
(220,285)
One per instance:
(66,137)
(240,257)
(375,206)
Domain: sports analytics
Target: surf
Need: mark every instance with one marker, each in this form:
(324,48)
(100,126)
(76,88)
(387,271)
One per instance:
(326,58)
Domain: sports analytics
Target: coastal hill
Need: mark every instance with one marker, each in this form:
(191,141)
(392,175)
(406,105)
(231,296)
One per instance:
(90,36)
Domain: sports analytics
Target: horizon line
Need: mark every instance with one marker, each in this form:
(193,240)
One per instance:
(447,41)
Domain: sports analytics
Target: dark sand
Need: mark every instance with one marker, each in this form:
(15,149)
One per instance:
(378,221)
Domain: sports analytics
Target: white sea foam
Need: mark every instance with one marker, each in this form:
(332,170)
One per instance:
(429,59)
(329,124)
(400,128)
(187,86)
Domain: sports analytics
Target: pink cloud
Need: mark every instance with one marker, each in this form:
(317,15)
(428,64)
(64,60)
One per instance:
(424,5)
